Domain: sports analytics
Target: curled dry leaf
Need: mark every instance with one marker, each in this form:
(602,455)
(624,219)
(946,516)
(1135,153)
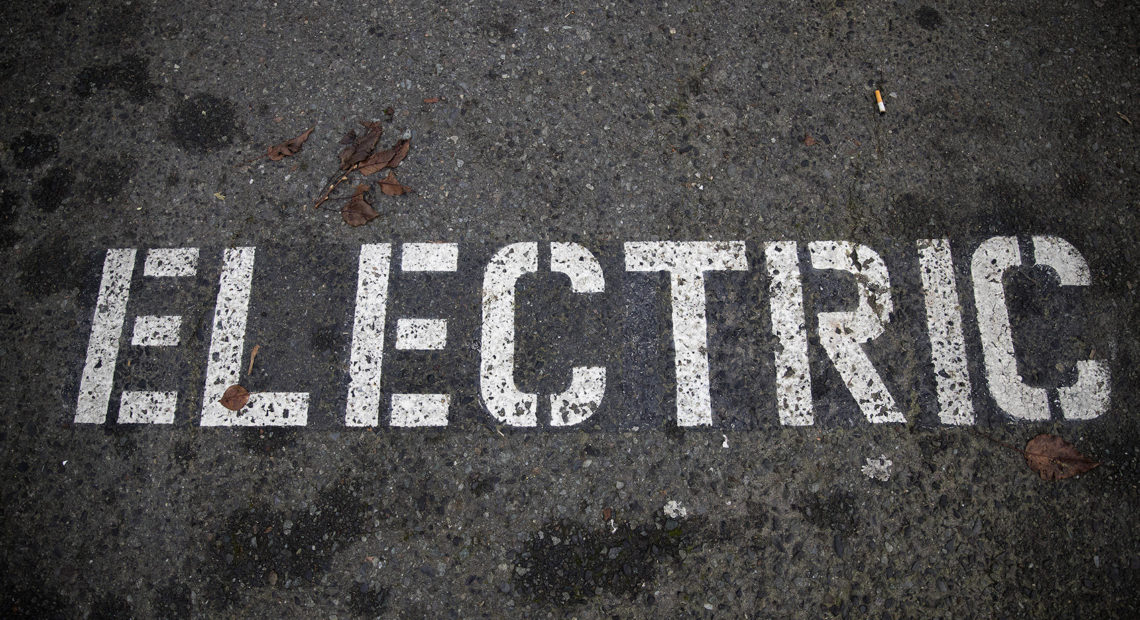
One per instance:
(1054,458)
(389,158)
(361,147)
(277,152)
(391,187)
(252,356)
(358,212)
(235,397)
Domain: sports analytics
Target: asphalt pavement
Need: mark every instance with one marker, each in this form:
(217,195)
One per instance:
(684,310)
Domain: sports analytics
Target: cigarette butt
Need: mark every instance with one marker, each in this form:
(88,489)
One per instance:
(879,99)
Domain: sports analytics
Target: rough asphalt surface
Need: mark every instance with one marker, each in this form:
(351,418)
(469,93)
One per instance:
(125,123)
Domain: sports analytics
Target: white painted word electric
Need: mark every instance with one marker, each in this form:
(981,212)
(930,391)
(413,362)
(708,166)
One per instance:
(841,334)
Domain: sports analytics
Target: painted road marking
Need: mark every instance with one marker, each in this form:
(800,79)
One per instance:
(846,335)
(367,356)
(171,262)
(225,362)
(793,378)
(687,263)
(842,334)
(947,342)
(106,329)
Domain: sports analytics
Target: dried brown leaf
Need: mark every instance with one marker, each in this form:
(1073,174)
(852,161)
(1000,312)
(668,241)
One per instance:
(362,147)
(1054,458)
(401,148)
(391,187)
(357,212)
(252,356)
(277,152)
(809,140)
(235,397)
(389,158)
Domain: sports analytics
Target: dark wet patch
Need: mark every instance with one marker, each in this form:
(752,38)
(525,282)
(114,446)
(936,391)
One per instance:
(22,596)
(53,188)
(130,75)
(184,452)
(51,268)
(203,123)
(172,601)
(928,18)
(568,563)
(32,149)
(110,606)
(368,601)
(267,440)
(9,212)
(116,25)
(502,26)
(1075,186)
(108,177)
(480,485)
(834,512)
(260,547)
(327,338)
(122,437)
(9,202)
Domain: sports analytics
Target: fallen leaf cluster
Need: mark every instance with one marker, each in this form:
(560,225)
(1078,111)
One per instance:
(358,155)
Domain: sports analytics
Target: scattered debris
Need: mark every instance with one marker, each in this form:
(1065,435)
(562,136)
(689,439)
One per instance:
(288,148)
(809,140)
(358,211)
(252,356)
(235,397)
(879,99)
(431,100)
(725,444)
(359,148)
(359,155)
(391,187)
(1053,458)
(219,196)
(674,510)
(878,469)
(389,158)
(607,514)
(1123,117)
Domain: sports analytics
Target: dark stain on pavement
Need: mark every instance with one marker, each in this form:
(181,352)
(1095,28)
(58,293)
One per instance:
(203,123)
(52,267)
(129,75)
(566,562)
(261,547)
(834,512)
(21,596)
(928,17)
(32,149)
(172,601)
(110,606)
(368,601)
(123,437)
(266,441)
(108,177)
(9,213)
(53,189)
